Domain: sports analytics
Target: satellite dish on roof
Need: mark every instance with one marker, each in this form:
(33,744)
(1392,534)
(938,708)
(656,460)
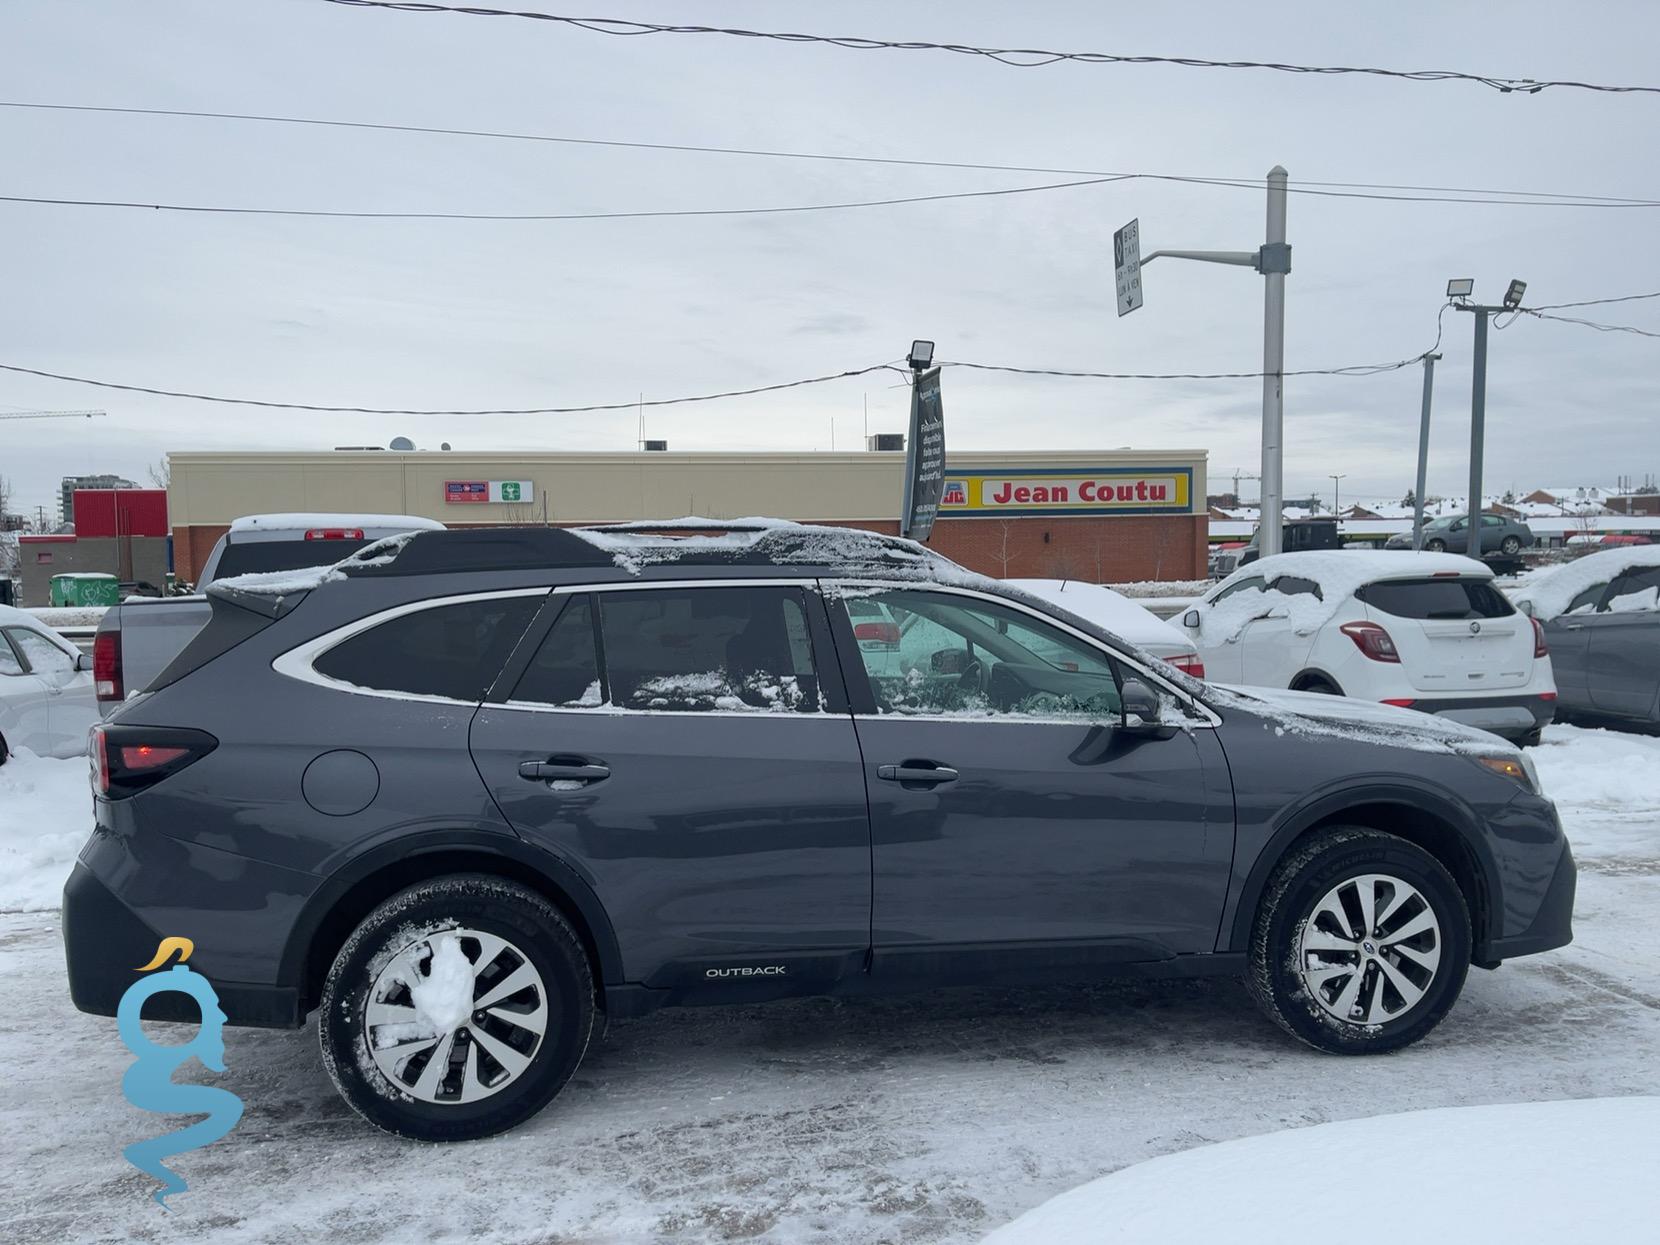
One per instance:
(402,443)
(444,445)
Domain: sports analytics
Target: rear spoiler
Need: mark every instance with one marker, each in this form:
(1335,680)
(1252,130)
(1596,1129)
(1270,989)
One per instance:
(267,605)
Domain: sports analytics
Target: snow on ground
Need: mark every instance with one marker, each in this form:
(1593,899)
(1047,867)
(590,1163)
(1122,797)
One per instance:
(1544,1172)
(45,816)
(930,1119)
(69,616)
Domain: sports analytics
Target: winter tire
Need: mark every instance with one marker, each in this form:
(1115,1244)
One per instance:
(1361,942)
(457,1009)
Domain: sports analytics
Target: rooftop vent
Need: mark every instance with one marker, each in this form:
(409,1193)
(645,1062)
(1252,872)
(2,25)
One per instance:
(886,441)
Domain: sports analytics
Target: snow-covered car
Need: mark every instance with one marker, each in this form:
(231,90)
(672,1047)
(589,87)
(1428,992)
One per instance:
(1425,631)
(1601,615)
(1118,614)
(46,701)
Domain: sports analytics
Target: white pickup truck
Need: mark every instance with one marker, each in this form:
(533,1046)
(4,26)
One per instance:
(138,638)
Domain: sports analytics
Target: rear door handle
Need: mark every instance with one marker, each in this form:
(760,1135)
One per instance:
(917,771)
(563,771)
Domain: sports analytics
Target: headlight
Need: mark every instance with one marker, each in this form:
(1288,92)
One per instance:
(1517,766)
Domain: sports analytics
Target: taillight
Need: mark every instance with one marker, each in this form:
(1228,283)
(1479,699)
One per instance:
(1372,640)
(1398,702)
(881,632)
(127,759)
(1540,648)
(106,666)
(1189,663)
(334,533)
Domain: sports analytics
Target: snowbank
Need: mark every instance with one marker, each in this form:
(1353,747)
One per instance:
(1549,591)
(1163,587)
(45,816)
(1601,771)
(1107,608)
(69,615)
(1542,1172)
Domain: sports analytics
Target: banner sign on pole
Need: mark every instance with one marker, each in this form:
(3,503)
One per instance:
(924,458)
(1126,264)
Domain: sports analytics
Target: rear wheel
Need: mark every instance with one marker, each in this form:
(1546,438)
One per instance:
(1361,943)
(1435,545)
(1317,683)
(1510,546)
(457,1009)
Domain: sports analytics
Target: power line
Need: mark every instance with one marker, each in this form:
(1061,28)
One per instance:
(1594,302)
(215,210)
(1590,324)
(1363,369)
(1020,58)
(1404,193)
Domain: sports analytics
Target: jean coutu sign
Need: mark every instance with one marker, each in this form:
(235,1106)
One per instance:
(1114,490)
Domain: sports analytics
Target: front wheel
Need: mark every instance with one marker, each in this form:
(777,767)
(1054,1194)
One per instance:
(1361,943)
(457,1009)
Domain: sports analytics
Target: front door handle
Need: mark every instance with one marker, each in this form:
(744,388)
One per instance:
(563,771)
(917,771)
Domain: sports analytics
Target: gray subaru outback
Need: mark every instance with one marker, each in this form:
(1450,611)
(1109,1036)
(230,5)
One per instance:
(470,792)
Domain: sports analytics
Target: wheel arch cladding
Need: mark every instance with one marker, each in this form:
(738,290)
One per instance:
(1425,823)
(351,894)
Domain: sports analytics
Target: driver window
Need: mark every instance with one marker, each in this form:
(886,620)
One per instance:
(935,654)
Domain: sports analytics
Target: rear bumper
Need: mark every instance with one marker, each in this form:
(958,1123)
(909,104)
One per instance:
(1553,923)
(1513,716)
(105,941)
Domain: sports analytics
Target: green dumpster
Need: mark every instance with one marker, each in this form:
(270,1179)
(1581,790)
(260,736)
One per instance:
(85,588)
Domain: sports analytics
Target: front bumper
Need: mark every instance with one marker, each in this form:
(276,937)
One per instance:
(1553,923)
(105,941)
(1513,717)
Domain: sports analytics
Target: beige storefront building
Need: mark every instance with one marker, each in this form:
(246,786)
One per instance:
(1106,515)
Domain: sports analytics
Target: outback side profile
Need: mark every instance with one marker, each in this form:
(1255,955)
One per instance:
(471,791)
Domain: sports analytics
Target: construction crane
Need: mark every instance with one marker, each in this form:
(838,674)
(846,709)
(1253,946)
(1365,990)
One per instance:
(52,414)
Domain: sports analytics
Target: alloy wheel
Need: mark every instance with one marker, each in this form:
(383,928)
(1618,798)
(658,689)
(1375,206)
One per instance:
(1370,949)
(455,1016)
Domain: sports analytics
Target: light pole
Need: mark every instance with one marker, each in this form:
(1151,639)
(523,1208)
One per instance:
(1460,290)
(1273,261)
(1335,508)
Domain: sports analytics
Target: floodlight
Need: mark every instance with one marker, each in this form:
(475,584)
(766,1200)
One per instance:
(922,354)
(1513,296)
(1461,287)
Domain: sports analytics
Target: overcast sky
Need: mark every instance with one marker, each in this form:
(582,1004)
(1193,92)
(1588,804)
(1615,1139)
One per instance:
(474,314)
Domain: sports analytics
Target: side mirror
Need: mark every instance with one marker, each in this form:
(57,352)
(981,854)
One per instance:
(948,661)
(83,661)
(1190,620)
(1142,710)
(1525,607)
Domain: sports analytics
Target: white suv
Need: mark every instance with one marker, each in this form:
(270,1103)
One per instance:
(1425,631)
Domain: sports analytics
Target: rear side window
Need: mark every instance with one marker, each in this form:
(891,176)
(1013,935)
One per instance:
(1631,583)
(690,649)
(565,670)
(454,651)
(1437,598)
(251,556)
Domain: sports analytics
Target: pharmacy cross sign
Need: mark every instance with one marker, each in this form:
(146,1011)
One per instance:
(510,490)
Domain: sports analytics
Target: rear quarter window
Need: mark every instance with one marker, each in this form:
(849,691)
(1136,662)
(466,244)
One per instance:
(1426,599)
(454,651)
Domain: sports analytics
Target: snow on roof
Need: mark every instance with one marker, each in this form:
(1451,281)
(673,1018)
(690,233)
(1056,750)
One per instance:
(1107,609)
(1549,591)
(299,521)
(635,546)
(306,578)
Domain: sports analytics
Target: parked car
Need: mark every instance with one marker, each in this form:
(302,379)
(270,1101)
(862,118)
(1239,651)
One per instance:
(1425,631)
(1296,536)
(137,638)
(1450,533)
(504,782)
(1601,614)
(1119,615)
(46,702)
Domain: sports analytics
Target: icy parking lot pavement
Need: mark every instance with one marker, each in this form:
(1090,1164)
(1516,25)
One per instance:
(935,1118)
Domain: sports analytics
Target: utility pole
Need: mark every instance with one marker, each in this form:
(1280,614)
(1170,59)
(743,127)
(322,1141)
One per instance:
(1273,261)
(1335,508)
(1460,291)
(1423,454)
